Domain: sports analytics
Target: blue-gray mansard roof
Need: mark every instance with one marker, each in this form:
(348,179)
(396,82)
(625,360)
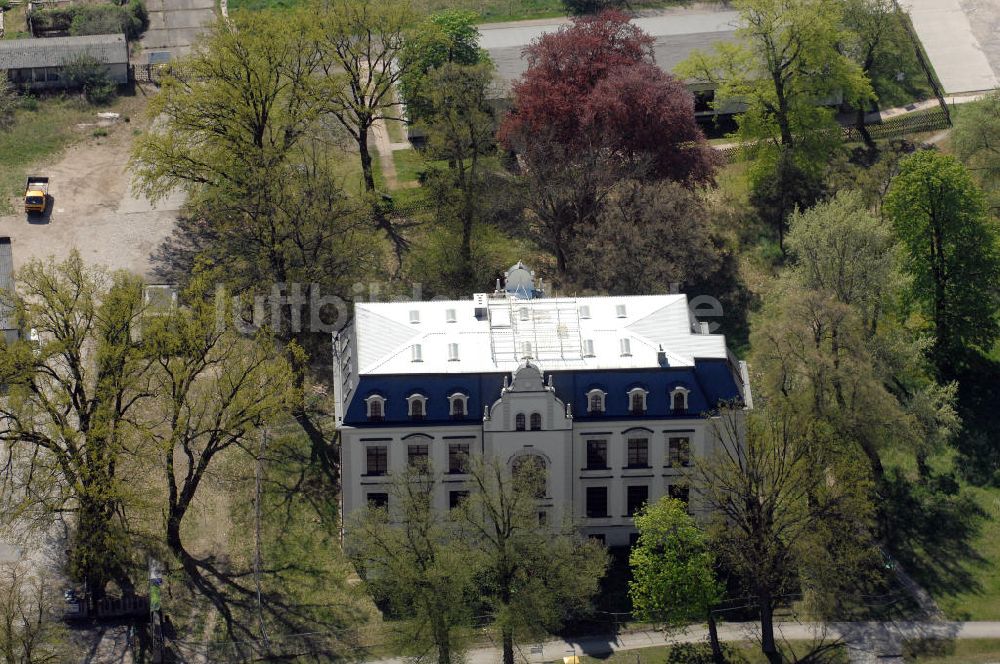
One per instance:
(708,383)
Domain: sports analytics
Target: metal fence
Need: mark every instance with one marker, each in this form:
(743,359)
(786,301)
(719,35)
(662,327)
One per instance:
(897,127)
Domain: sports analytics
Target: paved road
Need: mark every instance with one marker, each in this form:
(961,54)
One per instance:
(880,642)
(174,25)
(947,33)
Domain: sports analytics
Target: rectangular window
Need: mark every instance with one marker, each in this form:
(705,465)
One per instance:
(455,498)
(597,502)
(679,492)
(458,458)
(418,456)
(378,500)
(636,497)
(597,454)
(638,453)
(378,460)
(678,451)
(597,537)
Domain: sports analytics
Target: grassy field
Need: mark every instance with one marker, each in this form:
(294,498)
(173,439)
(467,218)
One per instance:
(41,129)
(14,22)
(969,651)
(488,10)
(409,165)
(982,602)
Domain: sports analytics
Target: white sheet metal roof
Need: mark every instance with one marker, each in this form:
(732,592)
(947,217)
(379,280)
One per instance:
(557,335)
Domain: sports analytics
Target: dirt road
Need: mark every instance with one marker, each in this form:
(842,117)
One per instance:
(92,209)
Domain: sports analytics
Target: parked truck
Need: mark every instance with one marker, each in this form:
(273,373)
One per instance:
(36,194)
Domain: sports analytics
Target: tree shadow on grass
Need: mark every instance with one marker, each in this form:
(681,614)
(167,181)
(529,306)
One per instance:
(929,527)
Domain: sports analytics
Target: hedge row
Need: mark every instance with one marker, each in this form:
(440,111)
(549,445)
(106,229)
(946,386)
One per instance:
(131,18)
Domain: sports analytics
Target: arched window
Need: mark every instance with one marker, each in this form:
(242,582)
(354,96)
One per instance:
(679,400)
(530,472)
(536,421)
(458,405)
(595,402)
(637,401)
(417,406)
(519,422)
(376,408)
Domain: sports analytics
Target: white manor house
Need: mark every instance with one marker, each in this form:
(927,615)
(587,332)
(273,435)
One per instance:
(609,393)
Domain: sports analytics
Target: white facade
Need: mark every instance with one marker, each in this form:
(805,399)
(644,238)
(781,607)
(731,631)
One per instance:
(609,393)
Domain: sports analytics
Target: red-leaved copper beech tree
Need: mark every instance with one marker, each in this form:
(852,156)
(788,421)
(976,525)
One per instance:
(591,110)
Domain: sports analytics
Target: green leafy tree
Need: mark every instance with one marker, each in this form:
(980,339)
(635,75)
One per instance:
(952,254)
(362,41)
(460,129)
(235,111)
(786,514)
(976,139)
(411,559)
(216,389)
(840,247)
(673,575)
(875,35)
(530,575)
(29,631)
(88,75)
(785,64)
(72,404)
(829,343)
(447,37)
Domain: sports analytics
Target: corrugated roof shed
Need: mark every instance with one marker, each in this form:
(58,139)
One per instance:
(57,51)
(675,36)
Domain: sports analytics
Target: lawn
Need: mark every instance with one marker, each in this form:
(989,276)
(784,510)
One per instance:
(409,165)
(488,10)
(41,129)
(968,651)
(982,602)
(14,23)
(743,652)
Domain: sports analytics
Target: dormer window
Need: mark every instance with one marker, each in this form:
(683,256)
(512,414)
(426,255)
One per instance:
(416,353)
(453,352)
(417,406)
(620,311)
(588,348)
(536,421)
(625,346)
(585,311)
(679,399)
(519,422)
(449,316)
(458,405)
(376,408)
(637,401)
(595,402)
(526,349)
(414,315)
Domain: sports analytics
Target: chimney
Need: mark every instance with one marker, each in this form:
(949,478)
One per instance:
(661,356)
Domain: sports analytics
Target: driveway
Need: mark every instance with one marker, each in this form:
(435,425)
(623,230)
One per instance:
(961,40)
(93,211)
(174,25)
